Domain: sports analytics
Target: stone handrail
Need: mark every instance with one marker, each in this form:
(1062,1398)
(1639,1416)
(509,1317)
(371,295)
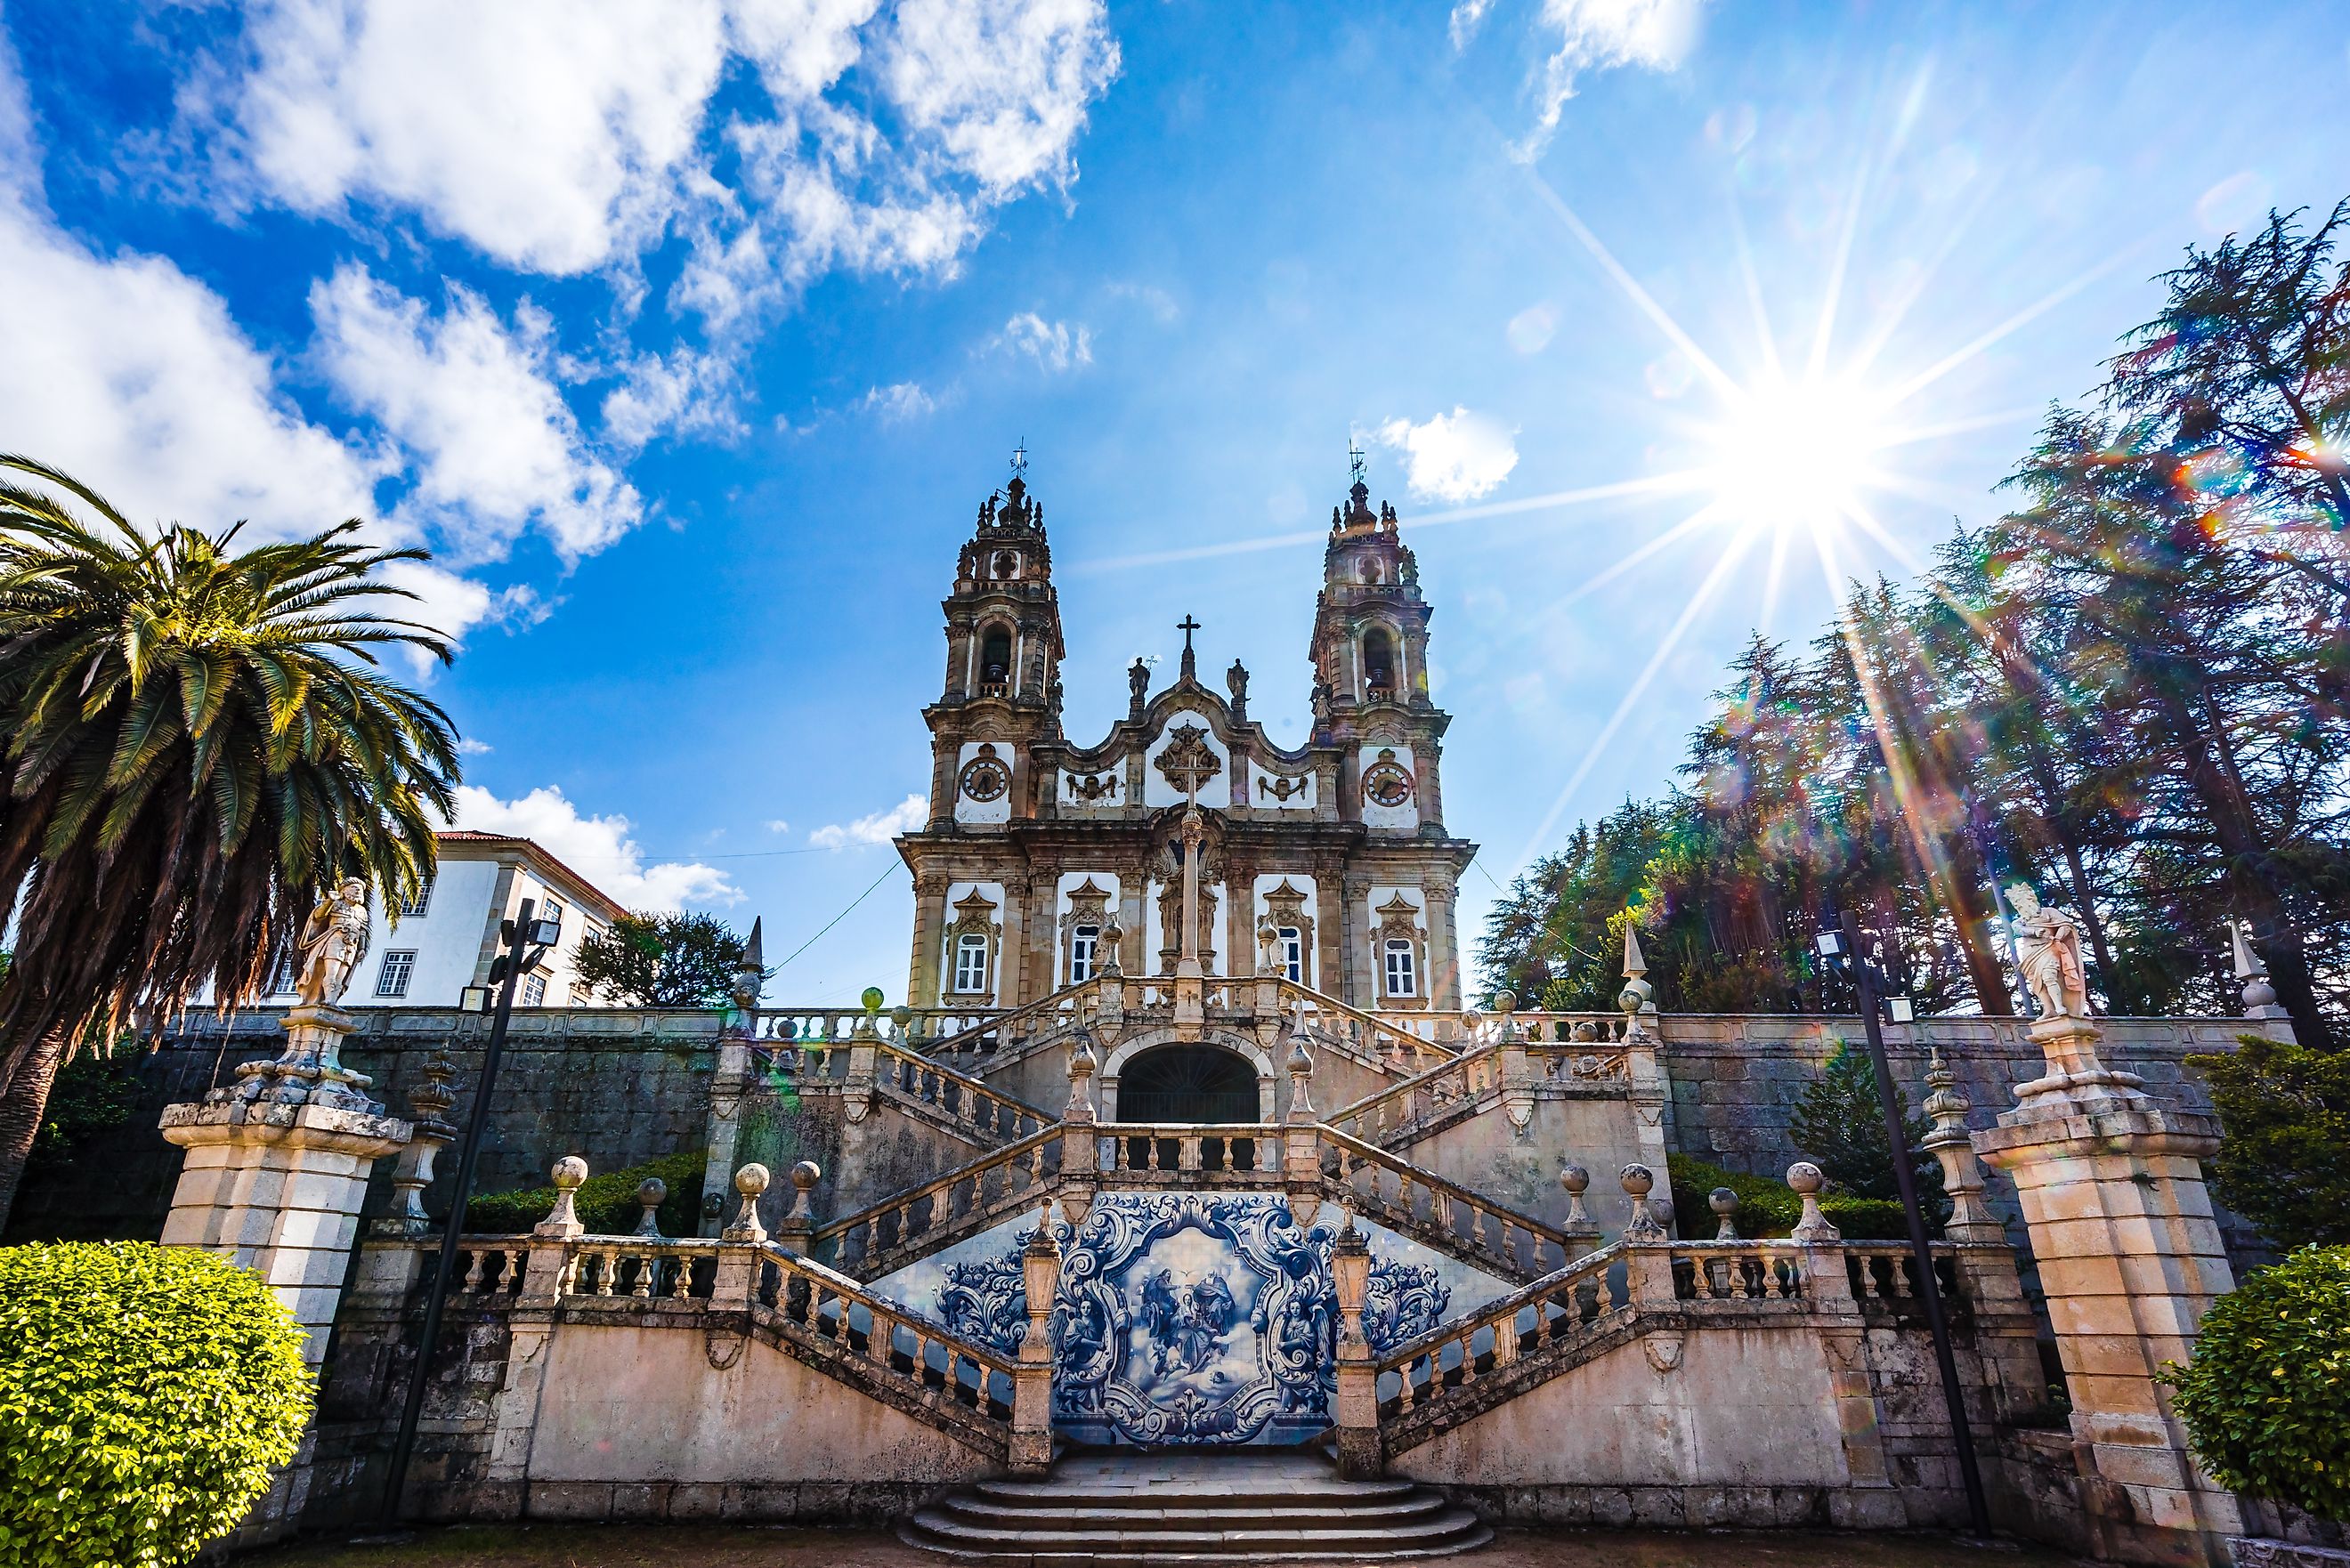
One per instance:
(973,1036)
(1580,1061)
(816,1307)
(966,1198)
(1347,1160)
(802,1026)
(1403,1050)
(1151,1148)
(1885,1271)
(962,1099)
(1413,1100)
(1571,1303)
(1537,1026)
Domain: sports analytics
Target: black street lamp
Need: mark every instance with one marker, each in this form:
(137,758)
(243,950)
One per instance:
(527,940)
(1839,944)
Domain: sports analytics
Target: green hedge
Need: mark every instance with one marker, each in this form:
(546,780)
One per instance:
(607,1202)
(1767,1208)
(2284,1164)
(2267,1397)
(146,1395)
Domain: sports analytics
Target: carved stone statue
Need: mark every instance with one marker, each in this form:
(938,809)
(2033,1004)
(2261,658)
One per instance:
(2048,952)
(1236,678)
(1137,682)
(333,940)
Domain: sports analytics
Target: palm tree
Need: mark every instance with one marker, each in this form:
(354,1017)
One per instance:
(197,744)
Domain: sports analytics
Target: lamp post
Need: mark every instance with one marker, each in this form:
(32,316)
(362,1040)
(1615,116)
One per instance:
(1839,942)
(527,940)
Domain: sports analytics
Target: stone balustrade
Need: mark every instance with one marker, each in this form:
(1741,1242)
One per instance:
(1148,1148)
(1560,1307)
(1424,1205)
(966,1198)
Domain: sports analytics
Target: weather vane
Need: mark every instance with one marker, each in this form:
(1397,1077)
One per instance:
(1357,460)
(1020,459)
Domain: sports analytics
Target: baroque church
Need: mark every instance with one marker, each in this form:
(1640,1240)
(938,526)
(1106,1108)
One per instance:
(1045,860)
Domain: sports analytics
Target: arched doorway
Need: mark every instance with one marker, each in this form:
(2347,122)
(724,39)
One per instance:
(1188,1084)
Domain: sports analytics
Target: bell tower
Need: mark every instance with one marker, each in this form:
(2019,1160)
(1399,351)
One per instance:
(1370,652)
(1002,693)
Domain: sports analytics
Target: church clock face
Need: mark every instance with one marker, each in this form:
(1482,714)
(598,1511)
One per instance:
(1388,782)
(984,777)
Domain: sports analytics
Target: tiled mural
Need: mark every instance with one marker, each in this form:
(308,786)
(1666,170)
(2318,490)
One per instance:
(1191,1318)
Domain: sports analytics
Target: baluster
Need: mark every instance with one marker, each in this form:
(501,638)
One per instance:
(682,1285)
(642,1285)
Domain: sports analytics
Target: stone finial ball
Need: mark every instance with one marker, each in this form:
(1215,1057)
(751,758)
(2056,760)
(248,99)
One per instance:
(806,1174)
(872,999)
(1504,1002)
(1723,1201)
(1473,1021)
(901,1015)
(1300,1059)
(751,1181)
(1573,1178)
(1637,1180)
(569,1172)
(652,1191)
(1805,1177)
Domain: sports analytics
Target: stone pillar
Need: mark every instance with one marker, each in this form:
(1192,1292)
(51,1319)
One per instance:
(1361,1455)
(1301,1139)
(1443,955)
(1012,962)
(414,1173)
(1581,1231)
(1358,989)
(1032,1383)
(276,1170)
(864,1059)
(736,1282)
(2111,1185)
(929,934)
(792,1231)
(2006,1338)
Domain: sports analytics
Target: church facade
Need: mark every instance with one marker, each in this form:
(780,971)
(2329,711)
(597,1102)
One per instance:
(1044,859)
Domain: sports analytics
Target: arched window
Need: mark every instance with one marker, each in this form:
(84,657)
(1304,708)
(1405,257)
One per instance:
(1082,942)
(1401,980)
(970,964)
(994,661)
(1378,664)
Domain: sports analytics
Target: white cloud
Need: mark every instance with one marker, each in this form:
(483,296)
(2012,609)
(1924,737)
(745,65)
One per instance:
(549,134)
(1466,17)
(1002,84)
(879,829)
(469,747)
(497,448)
(682,393)
(1152,297)
(898,400)
(598,848)
(777,824)
(1601,35)
(1055,344)
(1453,457)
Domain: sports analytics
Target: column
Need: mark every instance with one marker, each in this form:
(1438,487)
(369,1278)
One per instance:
(1355,942)
(1443,958)
(276,1170)
(1011,963)
(2111,1185)
(930,930)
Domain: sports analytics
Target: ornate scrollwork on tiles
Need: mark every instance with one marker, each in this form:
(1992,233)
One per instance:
(1192,1320)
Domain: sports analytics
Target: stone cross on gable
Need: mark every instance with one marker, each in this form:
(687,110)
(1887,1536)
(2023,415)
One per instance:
(1187,625)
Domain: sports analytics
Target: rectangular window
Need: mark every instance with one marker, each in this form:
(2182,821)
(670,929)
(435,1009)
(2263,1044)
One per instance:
(1401,981)
(412,907)
(1293,955)
(551,909)
(391,979)
(1082,942)
(534,990)
(970,964)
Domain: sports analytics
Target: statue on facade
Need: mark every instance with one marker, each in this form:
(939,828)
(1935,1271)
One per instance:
(333,940)
(1236,678)
(1138,683)
(2048,952)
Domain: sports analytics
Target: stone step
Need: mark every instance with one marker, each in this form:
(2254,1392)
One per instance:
(1257,1514)
(1138,1507)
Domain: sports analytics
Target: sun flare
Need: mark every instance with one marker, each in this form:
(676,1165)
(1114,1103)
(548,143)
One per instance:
(1791,453)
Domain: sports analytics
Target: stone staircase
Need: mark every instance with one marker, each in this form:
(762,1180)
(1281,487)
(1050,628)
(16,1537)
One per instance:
(1142,1507)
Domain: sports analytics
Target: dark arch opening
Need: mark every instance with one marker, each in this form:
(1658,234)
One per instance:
(1188,1084)
(1379,660)
(994,661)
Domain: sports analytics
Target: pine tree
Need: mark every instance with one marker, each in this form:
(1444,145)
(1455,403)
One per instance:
(1840,1124)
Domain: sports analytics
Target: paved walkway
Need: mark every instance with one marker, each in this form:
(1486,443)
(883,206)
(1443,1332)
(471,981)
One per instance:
(680,1546)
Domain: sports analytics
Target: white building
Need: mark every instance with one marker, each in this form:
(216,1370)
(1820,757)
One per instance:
(425,954)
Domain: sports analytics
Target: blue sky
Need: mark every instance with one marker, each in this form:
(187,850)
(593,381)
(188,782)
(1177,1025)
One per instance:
(692,336)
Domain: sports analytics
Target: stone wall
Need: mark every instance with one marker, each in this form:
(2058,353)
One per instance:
(1736,1081)
(619,1088)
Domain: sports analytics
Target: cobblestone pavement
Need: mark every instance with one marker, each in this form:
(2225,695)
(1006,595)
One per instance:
(625,1546)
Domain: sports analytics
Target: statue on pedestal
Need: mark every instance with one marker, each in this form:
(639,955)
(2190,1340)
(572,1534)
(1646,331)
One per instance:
(333,940)
(2048,952)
